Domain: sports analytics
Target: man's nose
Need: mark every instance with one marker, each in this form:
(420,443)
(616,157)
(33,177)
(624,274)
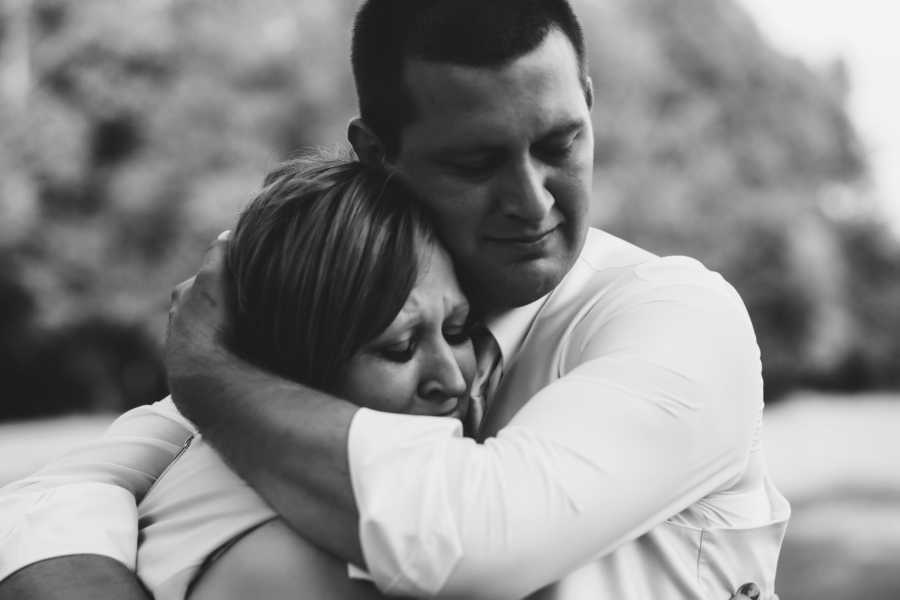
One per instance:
(442,377)
(524,195)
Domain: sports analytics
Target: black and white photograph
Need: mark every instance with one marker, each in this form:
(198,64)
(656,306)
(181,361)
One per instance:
(464,299)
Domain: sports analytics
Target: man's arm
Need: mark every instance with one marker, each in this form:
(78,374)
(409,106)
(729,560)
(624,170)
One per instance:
(79,577)
(444,514)
(63,527)
(257,421)
(656,410)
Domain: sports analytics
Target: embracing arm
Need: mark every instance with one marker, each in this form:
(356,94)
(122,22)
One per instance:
(71,528)
(656,409)
(437,513)
(287,440)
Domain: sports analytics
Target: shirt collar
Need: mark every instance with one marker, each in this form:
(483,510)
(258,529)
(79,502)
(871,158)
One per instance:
(510,327)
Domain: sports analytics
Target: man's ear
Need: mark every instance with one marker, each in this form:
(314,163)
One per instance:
(589,91)
(365,142)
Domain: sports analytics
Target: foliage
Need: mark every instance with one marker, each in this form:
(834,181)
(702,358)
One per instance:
(713,144)
(144,126)
(873,300)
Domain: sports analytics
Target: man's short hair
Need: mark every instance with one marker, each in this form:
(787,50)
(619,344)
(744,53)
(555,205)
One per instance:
(474,33)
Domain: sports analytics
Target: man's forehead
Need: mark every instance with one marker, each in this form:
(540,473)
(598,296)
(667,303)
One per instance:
(554,51)
(537,94)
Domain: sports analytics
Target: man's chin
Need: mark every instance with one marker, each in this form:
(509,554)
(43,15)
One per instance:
(517,284)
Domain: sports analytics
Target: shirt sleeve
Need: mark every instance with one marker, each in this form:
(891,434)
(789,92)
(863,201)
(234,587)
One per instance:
(85,501)
(656,407)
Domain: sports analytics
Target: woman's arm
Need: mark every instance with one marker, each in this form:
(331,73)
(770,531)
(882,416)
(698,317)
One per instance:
(66,525)
(275,563)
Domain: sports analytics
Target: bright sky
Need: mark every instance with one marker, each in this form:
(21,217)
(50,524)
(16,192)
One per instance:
(866,34)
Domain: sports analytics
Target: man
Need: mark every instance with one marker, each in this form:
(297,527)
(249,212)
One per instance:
(623,457)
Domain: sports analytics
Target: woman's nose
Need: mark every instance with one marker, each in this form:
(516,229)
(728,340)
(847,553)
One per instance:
(442,376)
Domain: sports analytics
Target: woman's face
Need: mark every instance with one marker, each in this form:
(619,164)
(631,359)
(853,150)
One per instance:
(423,363)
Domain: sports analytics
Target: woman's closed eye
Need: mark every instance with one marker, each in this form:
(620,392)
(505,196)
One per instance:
(400,352)
(457,334)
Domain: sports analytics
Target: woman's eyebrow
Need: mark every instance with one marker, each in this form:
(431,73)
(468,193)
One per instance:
(404,321)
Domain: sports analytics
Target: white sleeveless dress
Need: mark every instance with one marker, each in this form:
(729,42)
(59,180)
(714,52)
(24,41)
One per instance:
(193,510)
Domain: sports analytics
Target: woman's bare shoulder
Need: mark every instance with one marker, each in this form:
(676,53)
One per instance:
(274,562)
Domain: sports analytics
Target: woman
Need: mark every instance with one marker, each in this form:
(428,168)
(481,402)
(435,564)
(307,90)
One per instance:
(338,282)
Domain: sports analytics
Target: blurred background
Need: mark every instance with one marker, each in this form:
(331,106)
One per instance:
(759,136)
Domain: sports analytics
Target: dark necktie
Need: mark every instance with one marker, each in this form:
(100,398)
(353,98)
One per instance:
(488,370)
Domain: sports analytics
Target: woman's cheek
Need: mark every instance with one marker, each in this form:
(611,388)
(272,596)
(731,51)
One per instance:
(390,388)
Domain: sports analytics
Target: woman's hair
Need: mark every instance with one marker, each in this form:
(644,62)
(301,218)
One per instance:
(321,262)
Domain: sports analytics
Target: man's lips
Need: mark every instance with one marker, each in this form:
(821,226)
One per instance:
(521,238)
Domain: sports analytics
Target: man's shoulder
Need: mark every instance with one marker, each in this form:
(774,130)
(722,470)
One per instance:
(671,308)
(615,280)
(603,251)
(611,263)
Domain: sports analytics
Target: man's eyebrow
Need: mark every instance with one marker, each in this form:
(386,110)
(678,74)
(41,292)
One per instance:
(560,130)
(467,149)
(564,129)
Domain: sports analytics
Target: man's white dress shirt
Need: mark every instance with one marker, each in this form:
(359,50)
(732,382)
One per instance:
(630,468)
(633,451)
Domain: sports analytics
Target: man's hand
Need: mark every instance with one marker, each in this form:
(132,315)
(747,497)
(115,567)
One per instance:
(292,448)
(262,440)
(198,322)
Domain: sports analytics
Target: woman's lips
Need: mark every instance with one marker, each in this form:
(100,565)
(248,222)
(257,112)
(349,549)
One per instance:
(451,407)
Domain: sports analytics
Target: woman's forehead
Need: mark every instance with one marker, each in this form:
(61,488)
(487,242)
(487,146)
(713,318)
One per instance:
(436,295)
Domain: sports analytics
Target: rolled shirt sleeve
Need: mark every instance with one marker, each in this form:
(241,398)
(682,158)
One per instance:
(85,501)
(655,406)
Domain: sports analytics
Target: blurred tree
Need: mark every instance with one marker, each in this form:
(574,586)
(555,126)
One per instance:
(711,143)
(96,365)
(873,290)
(18,342)
(143,126)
